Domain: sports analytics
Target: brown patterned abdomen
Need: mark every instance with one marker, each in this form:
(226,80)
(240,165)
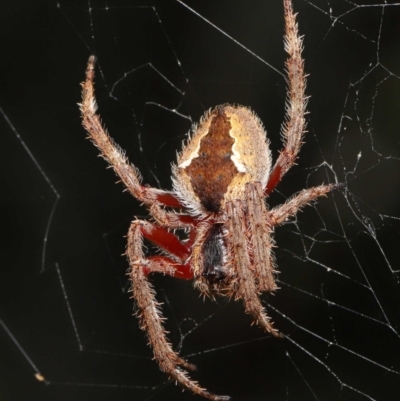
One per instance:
(212,171)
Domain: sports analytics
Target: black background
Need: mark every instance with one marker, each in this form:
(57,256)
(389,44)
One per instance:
(354,67)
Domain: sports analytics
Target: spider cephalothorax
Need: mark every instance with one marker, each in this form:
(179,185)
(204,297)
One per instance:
(221,180)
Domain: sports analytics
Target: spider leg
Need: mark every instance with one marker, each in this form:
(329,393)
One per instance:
(165,265)
(240,260)
(151,319)
(169,242)
(172,219)
(164,239)
(260,237)
(294,126)
(280,214)
(111,152)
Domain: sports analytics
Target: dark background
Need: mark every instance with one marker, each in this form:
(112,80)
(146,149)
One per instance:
(336,261)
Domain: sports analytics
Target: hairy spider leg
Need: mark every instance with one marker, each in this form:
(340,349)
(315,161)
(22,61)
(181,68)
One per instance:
(294,127)
(290,208)
(151,319)
(240,260)
(164,239)
(172,219)
(166,265)
(167,241)
(263,262)
(110,151)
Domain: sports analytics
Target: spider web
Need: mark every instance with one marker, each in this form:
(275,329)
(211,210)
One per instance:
(66,317)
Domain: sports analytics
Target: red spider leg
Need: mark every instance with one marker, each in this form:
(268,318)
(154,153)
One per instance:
(165,265)
(166,198)
(192,238)
(186,219)
(172,220)
(274,178)
(165,240)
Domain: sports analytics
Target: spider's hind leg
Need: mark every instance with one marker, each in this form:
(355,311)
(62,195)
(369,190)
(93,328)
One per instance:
(148,307)
(148,310)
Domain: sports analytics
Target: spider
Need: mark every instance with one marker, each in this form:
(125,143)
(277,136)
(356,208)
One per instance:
(220,182)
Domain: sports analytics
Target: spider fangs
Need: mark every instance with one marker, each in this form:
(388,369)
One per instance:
(221,180)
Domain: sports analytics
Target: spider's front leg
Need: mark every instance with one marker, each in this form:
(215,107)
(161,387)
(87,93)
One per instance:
(110,151)
(147,305)
(294,127)
(260,238)
(241,262)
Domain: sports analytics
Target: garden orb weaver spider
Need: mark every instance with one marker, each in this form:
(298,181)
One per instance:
(220,181)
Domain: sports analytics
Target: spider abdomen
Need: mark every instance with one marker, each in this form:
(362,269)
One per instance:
(228,149)
(213,169)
